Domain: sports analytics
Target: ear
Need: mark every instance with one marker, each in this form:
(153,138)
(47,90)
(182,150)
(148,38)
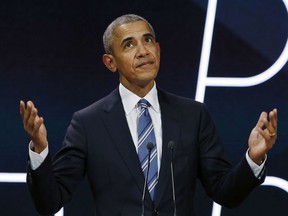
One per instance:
(109,62)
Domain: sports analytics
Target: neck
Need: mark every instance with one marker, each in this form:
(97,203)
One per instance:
(139,90)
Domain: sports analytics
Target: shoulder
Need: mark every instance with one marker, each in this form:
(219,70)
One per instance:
(177,101)
(104,104)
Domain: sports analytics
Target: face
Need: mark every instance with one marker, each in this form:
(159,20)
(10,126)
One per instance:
(136,56)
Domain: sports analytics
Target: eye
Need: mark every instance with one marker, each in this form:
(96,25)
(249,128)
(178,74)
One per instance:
(128,44)
(148,40)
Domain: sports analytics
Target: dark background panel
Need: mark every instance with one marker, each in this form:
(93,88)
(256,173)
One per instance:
(50,52)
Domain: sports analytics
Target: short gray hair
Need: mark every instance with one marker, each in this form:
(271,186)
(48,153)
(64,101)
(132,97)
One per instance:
(108,36)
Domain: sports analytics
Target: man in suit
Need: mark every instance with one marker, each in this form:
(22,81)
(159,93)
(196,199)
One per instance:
(101,141)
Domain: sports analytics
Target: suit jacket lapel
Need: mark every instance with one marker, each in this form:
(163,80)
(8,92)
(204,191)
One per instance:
(170,132)
(117,125)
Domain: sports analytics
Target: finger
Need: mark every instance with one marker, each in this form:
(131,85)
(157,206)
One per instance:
(37,124)
(270,130)
(22,109)
(261,120)
(273,118)
(266,135)
(33,118)
(262,133)
(272,125)
(27,112)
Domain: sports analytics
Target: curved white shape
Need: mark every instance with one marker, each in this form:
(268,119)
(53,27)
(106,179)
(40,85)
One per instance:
(269,181)
(206,49)
(276,182)
(12,177)
(20,178)
(60,213)
(204,81)
(216,209)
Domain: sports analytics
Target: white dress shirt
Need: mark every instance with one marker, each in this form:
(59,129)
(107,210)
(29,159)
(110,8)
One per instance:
(132,110)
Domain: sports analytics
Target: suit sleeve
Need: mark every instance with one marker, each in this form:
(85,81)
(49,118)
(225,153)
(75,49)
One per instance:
(225,184)
(53,183)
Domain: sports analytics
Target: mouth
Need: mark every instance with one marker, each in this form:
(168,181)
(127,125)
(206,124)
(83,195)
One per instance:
(144,64)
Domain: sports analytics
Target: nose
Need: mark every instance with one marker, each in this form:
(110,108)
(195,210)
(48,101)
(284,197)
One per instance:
(142,50)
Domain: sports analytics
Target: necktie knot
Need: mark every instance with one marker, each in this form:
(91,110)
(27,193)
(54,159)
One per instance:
(143,103)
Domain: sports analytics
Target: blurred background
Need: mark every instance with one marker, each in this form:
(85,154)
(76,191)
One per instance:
(50,52)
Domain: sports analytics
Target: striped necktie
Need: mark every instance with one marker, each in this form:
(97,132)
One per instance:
(146,135)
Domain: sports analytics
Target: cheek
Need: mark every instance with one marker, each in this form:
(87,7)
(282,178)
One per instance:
(158,60)
(156,53)
(124,63)
(128,60)
(127,67)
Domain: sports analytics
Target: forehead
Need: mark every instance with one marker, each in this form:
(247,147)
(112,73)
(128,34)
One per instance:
(132,30)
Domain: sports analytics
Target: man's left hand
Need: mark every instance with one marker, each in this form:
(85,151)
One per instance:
(263,136)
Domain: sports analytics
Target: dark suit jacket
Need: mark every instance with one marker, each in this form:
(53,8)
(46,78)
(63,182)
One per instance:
(98,143)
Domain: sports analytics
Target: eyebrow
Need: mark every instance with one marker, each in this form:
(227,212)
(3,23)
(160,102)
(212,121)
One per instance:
(130,38)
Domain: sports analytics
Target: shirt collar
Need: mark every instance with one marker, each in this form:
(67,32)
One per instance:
(130,100)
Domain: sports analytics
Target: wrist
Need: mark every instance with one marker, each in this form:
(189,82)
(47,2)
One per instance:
(37,148)
(259,159)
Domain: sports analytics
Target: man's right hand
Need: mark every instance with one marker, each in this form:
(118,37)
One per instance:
(34,126)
